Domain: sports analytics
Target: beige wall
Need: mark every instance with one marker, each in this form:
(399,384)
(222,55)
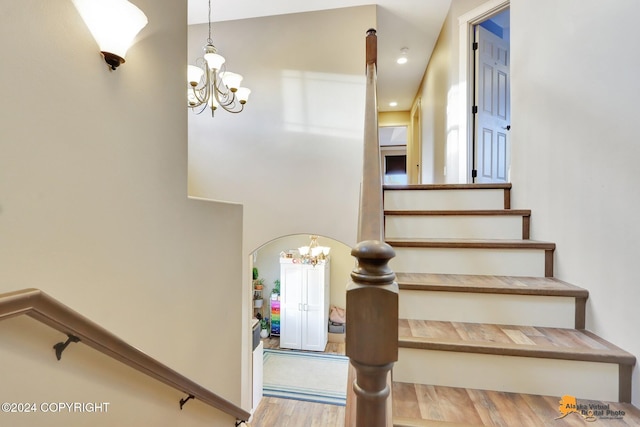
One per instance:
(440,91)
(94,210)
(394,118)
(293,158)
(574,143)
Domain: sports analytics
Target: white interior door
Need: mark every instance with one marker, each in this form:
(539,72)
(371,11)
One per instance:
(313,325)
(291,306)
(493,151)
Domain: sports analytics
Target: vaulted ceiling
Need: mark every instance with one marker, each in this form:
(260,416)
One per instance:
(411,24)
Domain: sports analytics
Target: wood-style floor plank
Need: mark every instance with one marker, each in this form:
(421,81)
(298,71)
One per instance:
(439,404)
(275,412)
(570,344)
(398,242)
(548,286)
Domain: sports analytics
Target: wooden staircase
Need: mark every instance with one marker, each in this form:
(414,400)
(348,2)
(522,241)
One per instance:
(481,314)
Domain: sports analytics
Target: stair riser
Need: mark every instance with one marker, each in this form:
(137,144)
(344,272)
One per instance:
(443,199)
(499,262)
(455,227)
(586,380)
(547,311)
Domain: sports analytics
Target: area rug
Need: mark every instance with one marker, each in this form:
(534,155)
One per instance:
(313,377)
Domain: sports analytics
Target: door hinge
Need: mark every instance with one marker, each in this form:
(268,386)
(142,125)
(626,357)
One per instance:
(474,46)
(474,173)
(474,109)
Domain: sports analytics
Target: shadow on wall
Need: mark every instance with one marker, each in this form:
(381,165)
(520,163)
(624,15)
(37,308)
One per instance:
(267,261)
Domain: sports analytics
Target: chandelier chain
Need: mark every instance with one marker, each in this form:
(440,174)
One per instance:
(210,40)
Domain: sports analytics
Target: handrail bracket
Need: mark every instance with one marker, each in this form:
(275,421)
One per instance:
(185,400)
(62,345)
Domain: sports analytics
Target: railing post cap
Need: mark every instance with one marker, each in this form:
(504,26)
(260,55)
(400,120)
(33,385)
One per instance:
(373,249)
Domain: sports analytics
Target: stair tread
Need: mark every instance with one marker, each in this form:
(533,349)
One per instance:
(471,243)
(510,340)
(466,212)
(427,405)
(547,286)
(495,186)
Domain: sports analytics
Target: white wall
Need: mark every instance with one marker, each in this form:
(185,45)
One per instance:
(294,156)
(575,150)
(94,210)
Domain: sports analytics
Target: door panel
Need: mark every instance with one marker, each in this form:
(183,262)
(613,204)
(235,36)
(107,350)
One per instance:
(485,151)
(492,97)
(290,306)
(313,313)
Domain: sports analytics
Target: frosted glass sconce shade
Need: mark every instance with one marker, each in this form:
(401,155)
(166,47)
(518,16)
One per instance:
(114,24)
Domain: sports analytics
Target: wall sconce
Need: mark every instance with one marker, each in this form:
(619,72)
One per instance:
(114,24)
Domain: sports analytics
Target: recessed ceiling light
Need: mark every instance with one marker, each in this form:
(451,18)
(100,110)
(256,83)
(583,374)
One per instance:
(402,59)
(393,104)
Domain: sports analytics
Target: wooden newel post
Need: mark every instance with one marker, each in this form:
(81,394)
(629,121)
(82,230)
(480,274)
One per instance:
(372,330)
(372,47)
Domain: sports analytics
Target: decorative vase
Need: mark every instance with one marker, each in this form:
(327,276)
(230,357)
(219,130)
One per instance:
(264,333)
(257,303)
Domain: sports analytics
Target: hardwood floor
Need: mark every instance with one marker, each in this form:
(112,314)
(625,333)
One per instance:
(511,340)
(489,284)
(491,408)
(274,412)
(443,406)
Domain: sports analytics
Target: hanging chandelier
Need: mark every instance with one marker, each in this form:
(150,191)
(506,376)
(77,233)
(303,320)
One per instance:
(314,253)
(211,85)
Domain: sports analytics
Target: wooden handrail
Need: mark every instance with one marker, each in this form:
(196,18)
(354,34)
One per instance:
(370,223)
(372,294)
(42,307)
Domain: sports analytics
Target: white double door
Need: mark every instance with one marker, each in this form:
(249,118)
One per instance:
(304,298)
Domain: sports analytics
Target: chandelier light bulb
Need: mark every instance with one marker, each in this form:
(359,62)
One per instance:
(243,94)
(231,80)
(314,253)
(304,250)
(194,75)
(214,61)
